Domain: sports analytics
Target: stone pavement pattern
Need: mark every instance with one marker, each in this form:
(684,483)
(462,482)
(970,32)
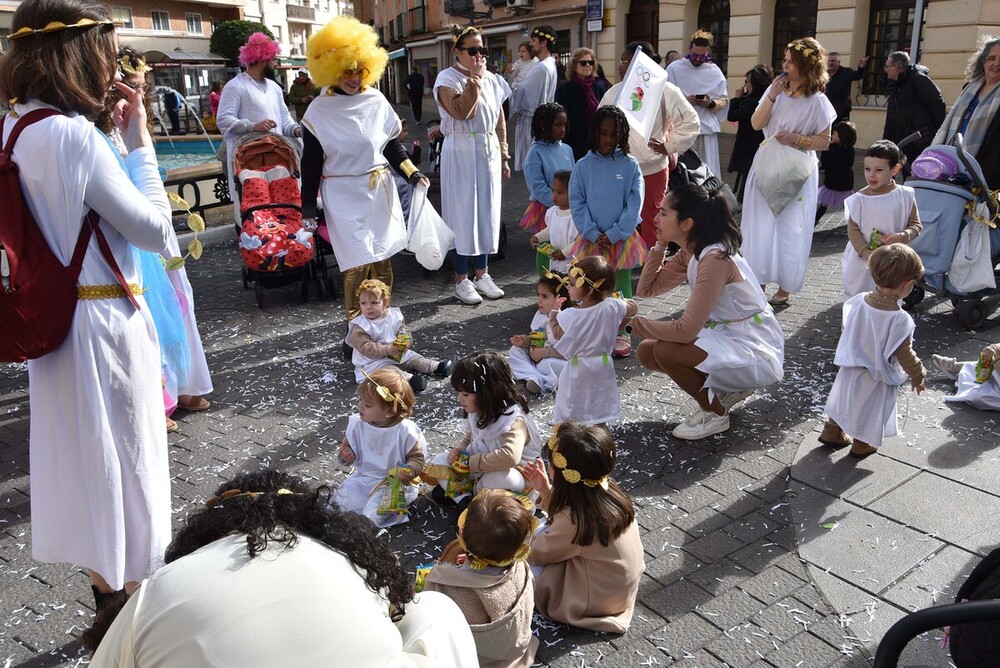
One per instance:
(740,569)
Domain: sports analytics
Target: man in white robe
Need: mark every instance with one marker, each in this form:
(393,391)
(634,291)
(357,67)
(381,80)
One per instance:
(704,85)
(537,88)
(252,102)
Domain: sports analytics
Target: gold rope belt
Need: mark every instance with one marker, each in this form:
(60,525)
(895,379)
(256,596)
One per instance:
(114,291)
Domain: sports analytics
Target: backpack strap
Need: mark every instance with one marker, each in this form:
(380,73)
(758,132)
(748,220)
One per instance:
(93,221)
(24,121)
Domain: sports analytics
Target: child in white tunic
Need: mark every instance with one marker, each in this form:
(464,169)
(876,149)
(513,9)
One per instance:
(532,357)
(883,213)
(875,356)
(559,231)
(500,435)
(983,395)
(585,335)
(381,442)
(380,339)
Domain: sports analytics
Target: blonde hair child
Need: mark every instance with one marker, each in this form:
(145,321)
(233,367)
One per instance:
(381,443)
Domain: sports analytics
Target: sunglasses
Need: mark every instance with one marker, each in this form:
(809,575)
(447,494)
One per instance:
(362,72)
(586,63)
(474,50)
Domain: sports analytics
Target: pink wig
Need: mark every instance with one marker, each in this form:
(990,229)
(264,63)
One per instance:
(259,47)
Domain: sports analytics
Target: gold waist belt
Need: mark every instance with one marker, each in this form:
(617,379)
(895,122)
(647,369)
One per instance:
(106,291)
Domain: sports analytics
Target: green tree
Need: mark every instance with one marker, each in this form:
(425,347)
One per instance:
(231,35)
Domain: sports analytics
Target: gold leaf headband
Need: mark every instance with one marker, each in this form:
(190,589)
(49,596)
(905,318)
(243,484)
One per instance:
(479,563)
(544,35)
(56,26)
(125,65)
(234,493)
(572,476)
(465,31)
(576,278)
(804,50)
(703,34)
(394,400)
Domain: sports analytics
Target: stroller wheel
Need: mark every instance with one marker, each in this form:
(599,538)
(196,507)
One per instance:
(320,288)
(304,291)
(259,291)
(971,314)
(246,278)
(914,298)
(332,289)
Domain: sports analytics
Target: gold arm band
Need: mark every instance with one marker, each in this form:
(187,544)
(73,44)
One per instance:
(114,291)
(408,168)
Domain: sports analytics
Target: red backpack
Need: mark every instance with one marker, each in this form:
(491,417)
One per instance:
(37,293)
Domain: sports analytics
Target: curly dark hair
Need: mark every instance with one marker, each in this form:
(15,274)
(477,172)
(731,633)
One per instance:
(621,128)
(269,517)
(543,118)
(713,221)
(597,514)
(487,375)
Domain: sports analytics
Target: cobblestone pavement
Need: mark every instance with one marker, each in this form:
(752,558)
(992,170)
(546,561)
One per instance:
(725,583)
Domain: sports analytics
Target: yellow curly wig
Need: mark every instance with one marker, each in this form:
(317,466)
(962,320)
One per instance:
(345,43)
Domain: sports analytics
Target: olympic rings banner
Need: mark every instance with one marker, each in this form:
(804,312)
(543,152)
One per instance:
(641,92)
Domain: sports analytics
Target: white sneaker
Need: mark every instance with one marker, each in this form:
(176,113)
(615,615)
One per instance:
(466,292)
(702,425)
(486,286)
(533,386)
(949,366)
(730,399)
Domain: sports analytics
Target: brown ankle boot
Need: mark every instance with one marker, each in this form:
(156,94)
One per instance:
(833,436)
(108,606)
(860,449)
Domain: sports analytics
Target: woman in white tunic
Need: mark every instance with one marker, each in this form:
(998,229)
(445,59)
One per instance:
(473,159)
(271,575)
(100,483)
(351,138)
(727,343)
(794,112)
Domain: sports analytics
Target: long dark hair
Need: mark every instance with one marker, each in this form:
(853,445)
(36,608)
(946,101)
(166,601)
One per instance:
(647,48)
(270,517)
(713,221)
(621,128)
(597,513)
(760,77)
(487,375)
(71,69)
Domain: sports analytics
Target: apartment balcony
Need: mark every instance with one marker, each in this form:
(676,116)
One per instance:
(300,14)
(458,7)
(418,20)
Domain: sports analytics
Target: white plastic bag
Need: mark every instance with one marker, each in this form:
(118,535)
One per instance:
(429,238)
(780,172)
(971,265)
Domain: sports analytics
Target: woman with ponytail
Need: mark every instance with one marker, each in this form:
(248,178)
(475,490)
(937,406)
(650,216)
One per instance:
(727,343)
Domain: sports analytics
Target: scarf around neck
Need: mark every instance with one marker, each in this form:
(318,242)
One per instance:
(979,124)
(589,97)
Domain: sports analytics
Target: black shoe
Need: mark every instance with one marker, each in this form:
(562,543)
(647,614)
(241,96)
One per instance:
(442,499)
(445,366)
(108,606)
(418,383)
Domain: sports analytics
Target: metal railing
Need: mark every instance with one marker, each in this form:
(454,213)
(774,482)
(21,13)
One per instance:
(301,12)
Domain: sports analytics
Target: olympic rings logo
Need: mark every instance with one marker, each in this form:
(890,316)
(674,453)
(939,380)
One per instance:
(643,74)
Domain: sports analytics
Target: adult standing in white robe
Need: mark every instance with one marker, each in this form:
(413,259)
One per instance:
(536,88)
(473,160)
(253,102)
(795,112)
(351,132)
(100,482)
(704,85)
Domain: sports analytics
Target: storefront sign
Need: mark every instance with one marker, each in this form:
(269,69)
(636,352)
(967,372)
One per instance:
(595,14)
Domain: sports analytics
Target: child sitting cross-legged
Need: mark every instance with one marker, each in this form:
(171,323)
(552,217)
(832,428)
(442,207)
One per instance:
(485,573)
(533,358)
(380,339)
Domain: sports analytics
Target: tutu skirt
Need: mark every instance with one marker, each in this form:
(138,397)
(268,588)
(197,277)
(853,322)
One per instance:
(626,254)
(832,199)
(533,219)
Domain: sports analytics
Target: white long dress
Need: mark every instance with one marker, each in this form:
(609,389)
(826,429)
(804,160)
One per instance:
(199,378)
(470,165)
(244,103)
(381,330)
(546,371)
(302,606)
(744,342)
(863,398)
(984,396)
(705,79)
(777,248)
(100,481)
(536,88)
(376,450)
(588,386)
(363,214)
(888,213)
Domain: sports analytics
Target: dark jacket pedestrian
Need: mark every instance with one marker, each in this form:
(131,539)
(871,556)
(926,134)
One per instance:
(580,95)
(415,87)
(301,93)
(838,89)
(915,105)
(741,108)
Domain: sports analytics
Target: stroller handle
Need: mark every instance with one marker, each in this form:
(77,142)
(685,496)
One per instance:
(909,139)
(915,623)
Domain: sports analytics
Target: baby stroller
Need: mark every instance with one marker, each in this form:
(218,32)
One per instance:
(324,249)
(944,207)
(277,250)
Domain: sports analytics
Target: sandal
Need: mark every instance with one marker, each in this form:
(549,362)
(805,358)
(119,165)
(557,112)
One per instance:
(778,301)
(194,404)
(171,426)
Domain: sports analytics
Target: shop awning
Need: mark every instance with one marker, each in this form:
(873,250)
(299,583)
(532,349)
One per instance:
(183,57)
(398,53)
